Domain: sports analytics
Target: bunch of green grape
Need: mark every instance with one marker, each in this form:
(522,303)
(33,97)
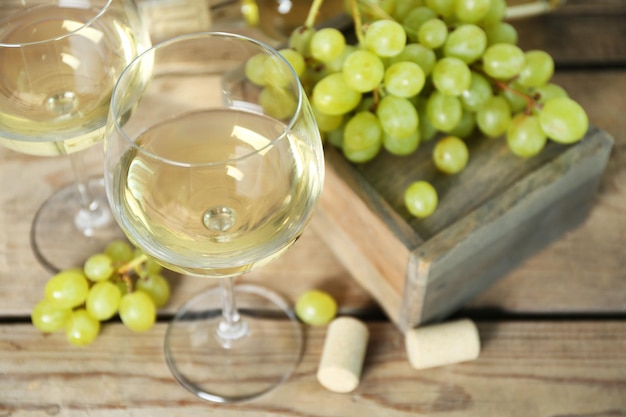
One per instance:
(120,281)
(430,70)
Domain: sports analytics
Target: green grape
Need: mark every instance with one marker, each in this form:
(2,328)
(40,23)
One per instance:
(404,7)
(404,79)
(503,61)
(401,146)
(433,33)
(363,71)
(120,283)
(538,69)
(444,8)
(120,251)
(420,199)
(418,54)
(547,92)
(466,125)
(495,14)
(501,32)
(450,155)
(99,267)
(415,19)
(255,69)
(312,76)
(68,288)
(362,137)
(295,59)
(477,94)
(156,286)
(137,311)
(48,317)
(563,120)
(472,11)
(397,116)
(327,44)
(451,76)
(367,104)
(152,267)
(443,111)
(466,42)
(385,38)
(300,40)
(149,266)
(372,9)
(494,117)
(316,307)
(426,130)
(327,122)
(277,102)
(336,65)
(103,300)
(516,95)
(335,137)
(81,328)
(276,73)
(525,136)
(332,95)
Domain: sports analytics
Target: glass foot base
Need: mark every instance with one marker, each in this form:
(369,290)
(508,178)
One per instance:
(64,236)
(241,369)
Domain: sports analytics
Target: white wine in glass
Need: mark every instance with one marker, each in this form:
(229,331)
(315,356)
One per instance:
(214,176)
(59,61)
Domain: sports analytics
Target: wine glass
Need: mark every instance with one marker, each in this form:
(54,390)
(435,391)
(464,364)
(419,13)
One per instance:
(214,176)
(59,60)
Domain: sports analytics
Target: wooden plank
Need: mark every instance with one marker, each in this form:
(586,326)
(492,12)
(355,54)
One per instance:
(480,248)
(580,33)
(363,241)
(524,369)
(585,267)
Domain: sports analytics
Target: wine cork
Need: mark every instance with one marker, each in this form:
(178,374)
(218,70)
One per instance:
(442,344)
(342,356)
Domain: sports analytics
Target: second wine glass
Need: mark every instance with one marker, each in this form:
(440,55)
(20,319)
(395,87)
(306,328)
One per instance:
(214,165)
(59,61)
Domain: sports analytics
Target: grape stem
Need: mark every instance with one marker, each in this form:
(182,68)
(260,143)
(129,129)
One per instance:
(530,101)
(358,23)
(125,270)
(132,265)
(313,12)
(376,93)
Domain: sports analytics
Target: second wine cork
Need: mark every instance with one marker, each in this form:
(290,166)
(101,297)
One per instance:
(342,356)
(442,344)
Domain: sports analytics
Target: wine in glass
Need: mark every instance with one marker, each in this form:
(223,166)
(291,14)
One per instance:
(59,61)
(214,175)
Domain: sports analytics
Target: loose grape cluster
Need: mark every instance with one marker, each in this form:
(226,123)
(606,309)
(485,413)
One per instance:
(121,280)
(425,69)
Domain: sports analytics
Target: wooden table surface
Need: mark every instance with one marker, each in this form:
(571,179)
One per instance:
(553,331)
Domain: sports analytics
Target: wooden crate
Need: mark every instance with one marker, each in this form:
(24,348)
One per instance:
(496,213)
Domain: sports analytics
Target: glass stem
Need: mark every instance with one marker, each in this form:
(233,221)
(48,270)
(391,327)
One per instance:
(92,214)
(232,327)
(87,202)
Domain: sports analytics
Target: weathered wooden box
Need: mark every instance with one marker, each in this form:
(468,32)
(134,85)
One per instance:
(499,211)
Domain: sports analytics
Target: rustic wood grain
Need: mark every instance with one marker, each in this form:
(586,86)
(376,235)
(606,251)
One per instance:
(563,368)
(579,34)
(548,369)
